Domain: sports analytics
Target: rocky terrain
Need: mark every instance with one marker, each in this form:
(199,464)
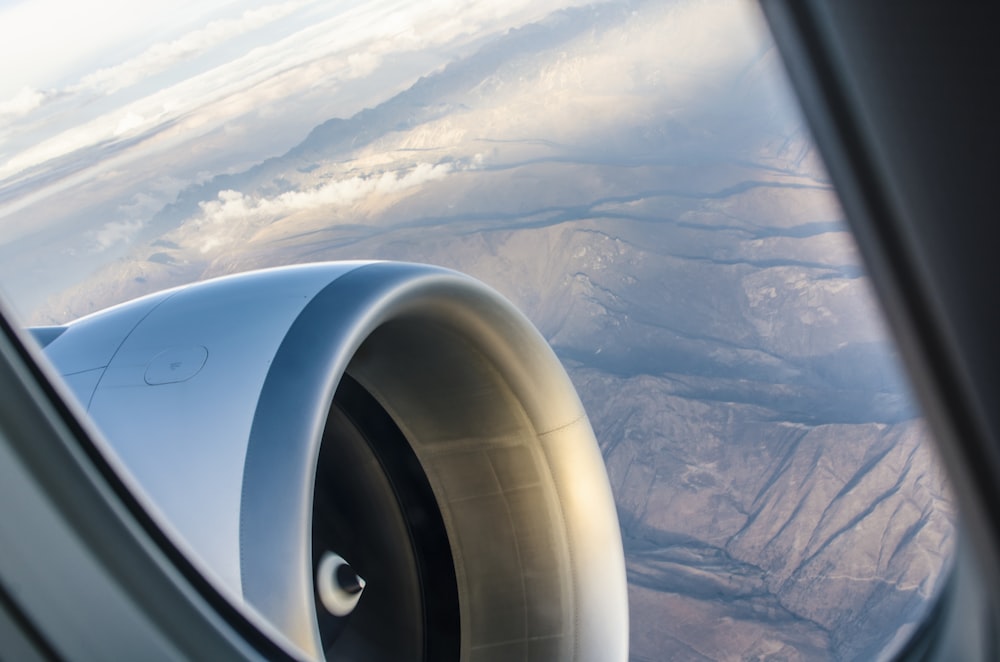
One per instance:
(673,235)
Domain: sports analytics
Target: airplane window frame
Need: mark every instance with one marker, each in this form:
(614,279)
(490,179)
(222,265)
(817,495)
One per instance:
(886,110)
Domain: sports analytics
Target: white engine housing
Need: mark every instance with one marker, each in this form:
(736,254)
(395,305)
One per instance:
(216,397)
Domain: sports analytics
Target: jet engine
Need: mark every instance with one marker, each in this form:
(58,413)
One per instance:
(384,460)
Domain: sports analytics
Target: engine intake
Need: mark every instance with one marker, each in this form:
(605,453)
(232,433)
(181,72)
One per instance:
(404,418)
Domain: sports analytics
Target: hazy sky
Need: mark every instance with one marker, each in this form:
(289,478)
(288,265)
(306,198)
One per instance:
(92,82)
(115,109)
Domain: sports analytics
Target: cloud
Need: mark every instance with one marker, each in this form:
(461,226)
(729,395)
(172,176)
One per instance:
(228,217)
(25,101)
(114,233)
(163,55)
(339,45)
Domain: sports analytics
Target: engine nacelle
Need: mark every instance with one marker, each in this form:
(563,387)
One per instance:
(385,460)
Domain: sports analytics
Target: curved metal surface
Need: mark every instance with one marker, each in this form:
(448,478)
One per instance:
(84,572)
(501,434)
(184,442)
(215,396)
(88,344)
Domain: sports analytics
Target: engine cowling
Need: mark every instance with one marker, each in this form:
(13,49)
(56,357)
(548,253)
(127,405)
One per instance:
(385,460)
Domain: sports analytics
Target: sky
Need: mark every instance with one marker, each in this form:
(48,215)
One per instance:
(98,81)
(115,109)
(163,95)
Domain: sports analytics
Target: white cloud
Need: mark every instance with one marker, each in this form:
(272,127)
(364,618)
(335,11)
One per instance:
(115,232)
(349,57)
(163,55)
(127,123)
(25,101)
(48,43)
(337,47)
(228,217)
